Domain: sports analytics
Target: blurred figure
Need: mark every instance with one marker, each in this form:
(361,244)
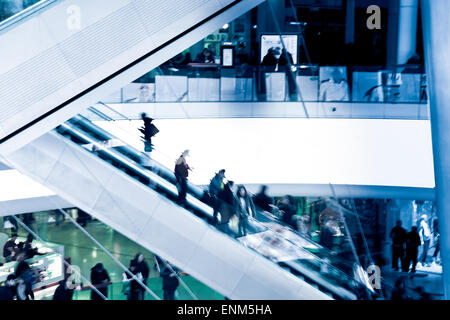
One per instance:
(133,288)
(216,186)
(304,225)
(28,219)
(206,56)
(334,89)
(149,130)
(144,94)
(100,279)
(144,270)
(425,238)
(8,291)
(288,210)
(10,223)
(25,278)
(227,205)
(399,291)
(423,295)
(398,236)
(181,174)
(269,64)
(286,63)
(10,248)
(170,281)
(270,60)
(82,218)
(437,241)
(245,209)
(262,200)
(412,245)
(327,232)
(63,292)
(28,249)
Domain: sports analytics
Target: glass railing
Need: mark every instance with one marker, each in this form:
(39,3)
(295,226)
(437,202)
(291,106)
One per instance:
(12,11)
(271,239)
(196,82)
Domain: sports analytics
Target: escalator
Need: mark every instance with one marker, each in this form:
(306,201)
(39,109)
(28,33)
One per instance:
(61,55)
(107,180)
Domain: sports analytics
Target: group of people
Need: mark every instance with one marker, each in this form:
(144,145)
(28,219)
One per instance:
(233,201)
(220,195)
(13,251)
(18,285)
(405,247)
(229,203)
(277,59)
(134,280)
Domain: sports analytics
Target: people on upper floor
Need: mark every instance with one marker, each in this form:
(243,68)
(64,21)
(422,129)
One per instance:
(206,56)
(270,60)
(334,89)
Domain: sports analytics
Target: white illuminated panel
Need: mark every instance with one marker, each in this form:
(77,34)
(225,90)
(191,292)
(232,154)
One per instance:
(370,152)
(17,186)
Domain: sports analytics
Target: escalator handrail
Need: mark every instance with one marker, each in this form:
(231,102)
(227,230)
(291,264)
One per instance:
(195,203)
(16,18)
(198,192)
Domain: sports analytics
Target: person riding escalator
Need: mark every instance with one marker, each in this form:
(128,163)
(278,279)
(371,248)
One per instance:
(245,209)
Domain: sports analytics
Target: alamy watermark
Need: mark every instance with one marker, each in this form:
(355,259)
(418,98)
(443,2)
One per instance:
(374,20)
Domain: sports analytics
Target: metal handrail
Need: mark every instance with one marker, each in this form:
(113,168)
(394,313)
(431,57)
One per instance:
(25,13)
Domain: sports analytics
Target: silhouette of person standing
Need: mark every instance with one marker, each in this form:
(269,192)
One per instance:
(398,236)
(412,245)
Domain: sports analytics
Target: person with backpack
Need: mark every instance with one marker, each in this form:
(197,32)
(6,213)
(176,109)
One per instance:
(181,174)
(149,130)
(216,186)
